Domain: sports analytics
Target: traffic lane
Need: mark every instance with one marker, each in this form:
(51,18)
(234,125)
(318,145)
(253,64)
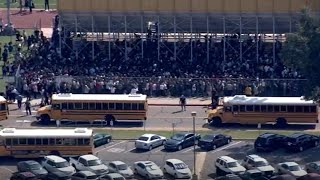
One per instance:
(241,149)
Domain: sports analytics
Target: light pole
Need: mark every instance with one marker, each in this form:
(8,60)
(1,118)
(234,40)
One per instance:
(194,176)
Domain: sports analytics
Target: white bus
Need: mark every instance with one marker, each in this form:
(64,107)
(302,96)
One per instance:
(34,143)
(90,107)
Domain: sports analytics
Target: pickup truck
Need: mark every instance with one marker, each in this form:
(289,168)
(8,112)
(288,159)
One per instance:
(89,163)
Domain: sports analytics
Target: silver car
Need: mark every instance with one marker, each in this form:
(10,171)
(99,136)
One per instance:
(148,169)
(313,167)
(121,168)
(149,141)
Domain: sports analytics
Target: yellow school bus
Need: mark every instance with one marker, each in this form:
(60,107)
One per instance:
(3,108)
(91,107)
(260,110)
(34,143)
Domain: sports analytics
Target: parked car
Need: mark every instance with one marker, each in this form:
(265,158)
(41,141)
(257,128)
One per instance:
(283,177)
(100,139)
(313,167)
(256,162)
(84,175)
(253,174)
(291,168)
(301,142)
(181,140)
(120,168)
(58,176)
(149,141)
(269,142)
(24,176)
(177,168)
(310,176)
(212,141)
(32,166)
(148,169)
(89,163)
(112,176)
(227,165)
(54,163)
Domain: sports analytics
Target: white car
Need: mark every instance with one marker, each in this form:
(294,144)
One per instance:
(148,169)
(121,168)
(149,141)
(291,168)
(256,162)
(54,163)
(177,169)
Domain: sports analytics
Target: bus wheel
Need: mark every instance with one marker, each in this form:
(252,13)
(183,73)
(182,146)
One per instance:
(281,123)
(216,121)
(45,119)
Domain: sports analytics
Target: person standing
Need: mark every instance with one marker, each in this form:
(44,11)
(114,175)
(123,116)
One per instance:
(19,100)
(28,107)
(183,103)
(46,5)
(31,5)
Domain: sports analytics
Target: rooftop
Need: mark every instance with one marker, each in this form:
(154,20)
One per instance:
(56,159)
(246,100)
(42,133)
(99,97)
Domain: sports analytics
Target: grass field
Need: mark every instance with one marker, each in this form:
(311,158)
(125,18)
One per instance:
(39,4)
(239,134)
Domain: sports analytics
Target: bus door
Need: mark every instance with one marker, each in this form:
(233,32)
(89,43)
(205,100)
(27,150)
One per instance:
(56,111)
(235,114)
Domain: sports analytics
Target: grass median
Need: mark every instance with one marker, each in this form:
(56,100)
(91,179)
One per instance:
(236,134)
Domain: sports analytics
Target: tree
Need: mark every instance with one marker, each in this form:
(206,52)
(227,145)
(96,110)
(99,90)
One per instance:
(302,51)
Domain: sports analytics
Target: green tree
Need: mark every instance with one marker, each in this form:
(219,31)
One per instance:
(302,51)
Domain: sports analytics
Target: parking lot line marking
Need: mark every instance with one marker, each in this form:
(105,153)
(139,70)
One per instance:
(225,147)
(188,150)
(160,149)
(110,146)
(130,150)
(7,169)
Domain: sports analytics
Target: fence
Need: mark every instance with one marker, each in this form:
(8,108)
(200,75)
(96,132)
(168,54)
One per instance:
(174,87)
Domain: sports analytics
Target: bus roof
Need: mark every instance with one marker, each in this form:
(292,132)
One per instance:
(245,100)
(40,133)
(99,97)
(2,99)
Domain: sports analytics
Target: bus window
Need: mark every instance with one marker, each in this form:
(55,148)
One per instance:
(92,106)
(306,108)
(235,108)
(256,108)
(98,106)
(242,108)
(45,141)
(77,105)
(105,106)
(69,141)
(52,141)
(85,106)
(313,109)
(119,106)
(56,106)
(70,106)
(270,108)
(127,106)
(38,141)
(227,109)
(86,142)
(250,108)
(64,106)
(283,108)
(111,106)
(8,142)
(299,108)
(14,141)
(263,108)
(31,141)
(22,141)
(134,106)
(80,141)
(276,108)
(290,108)
(141,106)
(2,107)
(59,141)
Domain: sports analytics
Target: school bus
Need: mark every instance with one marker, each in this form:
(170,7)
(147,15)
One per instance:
(34,143)
(260,110)
(90,107)
(3,108)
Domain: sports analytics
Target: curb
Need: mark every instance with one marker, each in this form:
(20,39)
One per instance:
(178,105)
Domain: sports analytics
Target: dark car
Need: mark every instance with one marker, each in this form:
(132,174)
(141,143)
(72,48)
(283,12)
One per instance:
(32,166)
(181,140)
(310,176)
(253,174)
(23,176)
(269,142)
(100,139)
(58,176)
(212,141)
(301,142)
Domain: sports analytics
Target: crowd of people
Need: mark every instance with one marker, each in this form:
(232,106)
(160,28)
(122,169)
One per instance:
(44,71)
